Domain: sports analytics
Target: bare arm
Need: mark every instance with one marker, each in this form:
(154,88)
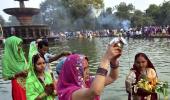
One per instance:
(112,76)
(96,87)
(56,57)
(114,72)
(98,83)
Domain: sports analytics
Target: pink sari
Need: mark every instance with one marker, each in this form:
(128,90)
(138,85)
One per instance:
(71,77)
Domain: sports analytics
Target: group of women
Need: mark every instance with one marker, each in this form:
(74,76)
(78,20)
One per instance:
(30,81)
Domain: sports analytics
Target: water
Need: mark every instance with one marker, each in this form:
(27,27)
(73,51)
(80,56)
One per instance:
(157,50)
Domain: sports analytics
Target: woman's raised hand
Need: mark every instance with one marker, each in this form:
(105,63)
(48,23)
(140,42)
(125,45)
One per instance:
(113,51)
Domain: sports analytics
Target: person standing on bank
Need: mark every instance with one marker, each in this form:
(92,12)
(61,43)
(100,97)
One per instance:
(75,83)
(14,67)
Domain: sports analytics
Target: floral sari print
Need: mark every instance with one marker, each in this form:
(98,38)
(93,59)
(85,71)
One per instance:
(71,77)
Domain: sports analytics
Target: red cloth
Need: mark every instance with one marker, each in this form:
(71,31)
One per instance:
(18,93)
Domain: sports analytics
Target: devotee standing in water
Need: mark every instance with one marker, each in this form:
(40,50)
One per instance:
(39,83)
(75,83)
(142,70)
(14,67)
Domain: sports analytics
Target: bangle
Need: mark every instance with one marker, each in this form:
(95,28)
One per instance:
(101,71)
(114,66)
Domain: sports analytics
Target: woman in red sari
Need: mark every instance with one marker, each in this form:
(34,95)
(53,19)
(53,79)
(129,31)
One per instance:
(14,67)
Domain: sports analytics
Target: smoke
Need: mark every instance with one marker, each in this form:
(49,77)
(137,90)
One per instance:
(125,24)
(108,21)
(59,18)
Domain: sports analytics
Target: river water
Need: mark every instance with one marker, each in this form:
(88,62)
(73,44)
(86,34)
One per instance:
(157,49)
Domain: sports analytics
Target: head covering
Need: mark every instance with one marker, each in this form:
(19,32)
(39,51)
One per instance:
(149,65)
(71,77)
(34,87)
(13,60)
(32,51)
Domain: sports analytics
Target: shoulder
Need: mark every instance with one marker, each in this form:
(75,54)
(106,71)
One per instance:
(30,79)
(131,74)
(30,82)
(48,76)
(151,70)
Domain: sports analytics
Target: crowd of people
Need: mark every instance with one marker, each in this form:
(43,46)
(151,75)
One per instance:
(134,32)
(33,79)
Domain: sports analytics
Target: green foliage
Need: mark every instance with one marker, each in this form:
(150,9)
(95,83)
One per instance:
(148,21)
(154,15)
(124,11)
(165,13)
(160,14)
(139,19)
(109,10)
(62,15)
(154,12)
(162,88)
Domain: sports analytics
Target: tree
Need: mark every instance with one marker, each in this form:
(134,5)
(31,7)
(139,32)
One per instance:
(154,12)
(124,11)
(109,10)
(140,19)
(137,19)
(148,21)
(160,14)
(55,15)
(64,15)
(164,13)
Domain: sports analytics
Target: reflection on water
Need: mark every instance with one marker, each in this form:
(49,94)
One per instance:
(157,49)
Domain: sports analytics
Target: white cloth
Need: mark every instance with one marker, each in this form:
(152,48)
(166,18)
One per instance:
(47,56)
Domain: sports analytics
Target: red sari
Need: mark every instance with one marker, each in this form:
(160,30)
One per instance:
(18,91)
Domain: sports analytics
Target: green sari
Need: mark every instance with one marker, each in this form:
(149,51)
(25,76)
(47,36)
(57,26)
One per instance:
(13,59)
(32,51)
(34,87)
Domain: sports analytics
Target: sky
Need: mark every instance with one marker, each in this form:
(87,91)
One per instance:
(139,4)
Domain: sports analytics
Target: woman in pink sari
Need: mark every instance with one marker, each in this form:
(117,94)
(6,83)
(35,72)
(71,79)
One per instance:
(74,82)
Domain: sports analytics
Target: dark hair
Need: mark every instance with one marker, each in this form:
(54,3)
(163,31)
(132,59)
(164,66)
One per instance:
(42,43)
(149,63)
(35,59)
